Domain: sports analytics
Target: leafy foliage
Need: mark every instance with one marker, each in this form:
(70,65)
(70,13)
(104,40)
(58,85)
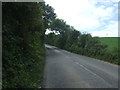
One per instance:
(72,40)
(23,43)
(48,14)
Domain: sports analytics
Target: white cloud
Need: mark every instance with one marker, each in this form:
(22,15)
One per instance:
(110,30)
(83,14)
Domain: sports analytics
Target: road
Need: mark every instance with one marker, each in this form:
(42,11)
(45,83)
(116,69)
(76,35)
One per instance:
(64,69)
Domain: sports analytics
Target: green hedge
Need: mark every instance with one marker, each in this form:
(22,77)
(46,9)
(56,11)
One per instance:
(22,45)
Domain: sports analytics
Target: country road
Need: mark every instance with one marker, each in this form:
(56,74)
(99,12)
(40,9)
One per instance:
(64,69)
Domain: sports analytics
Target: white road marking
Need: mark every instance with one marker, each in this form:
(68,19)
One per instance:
(91,71)
(87,69)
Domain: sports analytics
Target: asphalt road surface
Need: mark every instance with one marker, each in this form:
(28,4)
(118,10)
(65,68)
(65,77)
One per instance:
(64,69)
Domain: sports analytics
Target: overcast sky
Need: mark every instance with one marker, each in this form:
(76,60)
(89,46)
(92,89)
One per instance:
(98,17)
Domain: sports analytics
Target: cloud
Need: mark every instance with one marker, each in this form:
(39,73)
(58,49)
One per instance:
(87,15)
(111,30)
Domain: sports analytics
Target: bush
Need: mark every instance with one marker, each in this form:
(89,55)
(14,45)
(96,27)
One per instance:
(23,45)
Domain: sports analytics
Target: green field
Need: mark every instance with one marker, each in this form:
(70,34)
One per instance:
(112,42)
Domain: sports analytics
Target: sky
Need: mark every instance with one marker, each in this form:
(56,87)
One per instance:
(97,17)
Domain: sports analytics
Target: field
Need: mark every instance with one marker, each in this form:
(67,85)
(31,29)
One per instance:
(112,50)
(112,42)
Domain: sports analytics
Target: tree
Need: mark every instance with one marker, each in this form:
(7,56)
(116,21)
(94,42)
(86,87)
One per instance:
(23,45)
(72,37)
(58,25)
(48,14)
(50,38)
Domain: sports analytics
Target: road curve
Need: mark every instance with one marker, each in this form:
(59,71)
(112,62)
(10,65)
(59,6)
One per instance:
(64,69)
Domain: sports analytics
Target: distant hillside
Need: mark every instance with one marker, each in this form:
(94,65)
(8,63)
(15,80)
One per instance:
(112,42)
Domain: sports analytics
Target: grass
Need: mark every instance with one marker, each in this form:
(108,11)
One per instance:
(111,42)
(112,49)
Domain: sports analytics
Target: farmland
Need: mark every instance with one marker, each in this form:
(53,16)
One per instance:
(112,50)
(111,42)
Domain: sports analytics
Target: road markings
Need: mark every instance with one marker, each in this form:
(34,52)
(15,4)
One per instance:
(85,68)
(90,71)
